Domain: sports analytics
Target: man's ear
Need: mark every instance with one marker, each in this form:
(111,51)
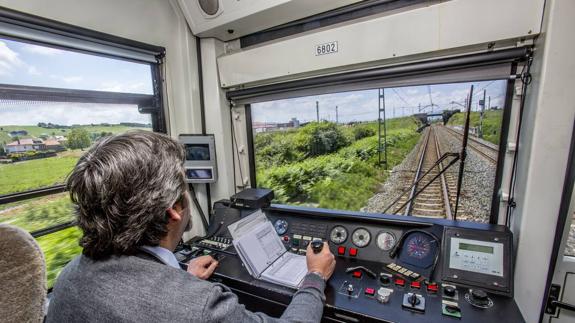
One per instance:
(174,215)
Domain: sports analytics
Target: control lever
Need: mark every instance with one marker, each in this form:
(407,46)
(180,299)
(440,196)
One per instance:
(317,245)
(366,270)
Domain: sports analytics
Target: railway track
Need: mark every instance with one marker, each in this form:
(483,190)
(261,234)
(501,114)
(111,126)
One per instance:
(437,198)
(484,150)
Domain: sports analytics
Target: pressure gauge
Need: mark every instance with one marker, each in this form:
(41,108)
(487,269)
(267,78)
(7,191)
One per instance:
(361,237)
(338,234)
(281,226)
(385,241)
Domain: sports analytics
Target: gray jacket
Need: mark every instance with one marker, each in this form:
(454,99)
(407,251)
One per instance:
(136,289)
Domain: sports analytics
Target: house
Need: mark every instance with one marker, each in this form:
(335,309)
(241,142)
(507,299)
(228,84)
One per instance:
(53,144)
(23,145)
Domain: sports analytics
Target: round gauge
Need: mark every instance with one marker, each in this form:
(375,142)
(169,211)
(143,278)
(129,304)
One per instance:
(361,237)
(385,241)
(418,246)
(281,226)
(338,234)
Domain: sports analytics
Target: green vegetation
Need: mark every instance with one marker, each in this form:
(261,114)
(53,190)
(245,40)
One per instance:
(35,214)
(37,173)
(78,139)
(492,120)
(329,165)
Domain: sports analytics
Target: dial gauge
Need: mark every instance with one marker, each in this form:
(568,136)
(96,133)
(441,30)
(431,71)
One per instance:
(418,246)
(361,237)
(281,226)
(338,234)
(385,241)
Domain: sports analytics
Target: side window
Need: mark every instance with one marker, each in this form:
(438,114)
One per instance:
(54,105)
(364,150)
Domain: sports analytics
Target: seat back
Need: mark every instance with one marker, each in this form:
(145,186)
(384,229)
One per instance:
(22,276)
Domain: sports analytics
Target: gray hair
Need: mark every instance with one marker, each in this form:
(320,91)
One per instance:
(122,187)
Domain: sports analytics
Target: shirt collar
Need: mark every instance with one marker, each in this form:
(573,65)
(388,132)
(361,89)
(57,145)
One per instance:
(165,255)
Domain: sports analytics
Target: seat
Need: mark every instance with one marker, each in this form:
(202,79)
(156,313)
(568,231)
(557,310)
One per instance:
(22,276)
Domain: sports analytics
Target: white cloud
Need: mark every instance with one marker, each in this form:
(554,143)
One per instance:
(8,59)
(67,79)
(41,50)
(115,86)
(70,113)
(32,70)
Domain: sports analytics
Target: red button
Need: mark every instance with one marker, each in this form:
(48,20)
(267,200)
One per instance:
(286,238)
(357,274)
(400,282)
(352,252)
(433,288)
(369,291)
(415,285)
(341,250)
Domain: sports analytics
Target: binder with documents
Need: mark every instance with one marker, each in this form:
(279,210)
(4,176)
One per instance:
(263,253)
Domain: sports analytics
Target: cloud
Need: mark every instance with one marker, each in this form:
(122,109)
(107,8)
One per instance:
(67,79)
(115,86)
(32,70)
(8,59)
(41,50)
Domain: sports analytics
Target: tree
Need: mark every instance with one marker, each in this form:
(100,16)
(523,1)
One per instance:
(79,138)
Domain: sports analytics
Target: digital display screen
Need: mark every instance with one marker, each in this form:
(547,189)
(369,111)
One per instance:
(197,152)
(205,173)
(475,247)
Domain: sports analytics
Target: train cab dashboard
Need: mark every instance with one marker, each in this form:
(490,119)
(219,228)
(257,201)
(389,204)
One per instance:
(388,268)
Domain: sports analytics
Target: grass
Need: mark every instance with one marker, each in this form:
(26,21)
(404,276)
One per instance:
(344,179)
(37,173)
(492,120)
(35,214)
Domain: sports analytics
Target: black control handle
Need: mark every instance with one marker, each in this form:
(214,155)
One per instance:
(317,245)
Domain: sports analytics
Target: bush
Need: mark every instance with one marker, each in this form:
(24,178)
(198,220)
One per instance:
(360,132)
(320,138)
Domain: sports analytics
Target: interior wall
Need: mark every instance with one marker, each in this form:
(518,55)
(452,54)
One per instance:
(156,22)
(543,153)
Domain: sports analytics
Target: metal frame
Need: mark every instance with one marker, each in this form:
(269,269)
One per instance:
(562,219)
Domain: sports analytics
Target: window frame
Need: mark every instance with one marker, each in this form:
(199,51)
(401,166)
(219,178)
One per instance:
(250,95)
(91,43)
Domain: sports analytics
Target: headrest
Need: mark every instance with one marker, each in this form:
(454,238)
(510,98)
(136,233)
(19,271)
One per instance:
(22,276)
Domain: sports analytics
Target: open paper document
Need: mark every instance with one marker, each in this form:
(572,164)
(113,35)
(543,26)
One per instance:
(263,253)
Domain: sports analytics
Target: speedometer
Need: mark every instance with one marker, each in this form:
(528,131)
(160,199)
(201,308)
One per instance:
(418,246)
(385,241)
(361,237)
(338,234)
(281,226)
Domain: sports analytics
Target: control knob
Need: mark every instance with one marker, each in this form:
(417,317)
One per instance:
(317,245)
(449,291)
(384,279)
(479,297)
(413,300)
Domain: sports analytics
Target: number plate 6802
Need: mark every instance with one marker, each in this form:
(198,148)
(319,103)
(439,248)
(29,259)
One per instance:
(327,48)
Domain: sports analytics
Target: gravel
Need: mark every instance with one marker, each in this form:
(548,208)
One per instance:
(477,189)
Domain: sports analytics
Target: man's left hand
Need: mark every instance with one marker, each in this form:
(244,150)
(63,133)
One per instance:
(202,267)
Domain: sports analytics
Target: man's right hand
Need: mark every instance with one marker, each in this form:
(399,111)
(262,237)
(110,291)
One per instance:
(202,267)
(322,263)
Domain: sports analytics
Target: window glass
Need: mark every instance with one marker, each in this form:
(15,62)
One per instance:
(336,151)
(570,247)
(34,65)
(41,142)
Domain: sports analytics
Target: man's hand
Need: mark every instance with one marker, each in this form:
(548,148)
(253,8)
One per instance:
(202,267)
(322,263)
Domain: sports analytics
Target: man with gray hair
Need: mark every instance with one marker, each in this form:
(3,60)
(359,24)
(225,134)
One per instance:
(133,206)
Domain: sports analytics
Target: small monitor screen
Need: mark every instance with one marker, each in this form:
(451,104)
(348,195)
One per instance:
(197,152)
(205,173)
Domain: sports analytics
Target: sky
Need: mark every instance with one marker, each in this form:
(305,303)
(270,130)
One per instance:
(32,65)
(363,105)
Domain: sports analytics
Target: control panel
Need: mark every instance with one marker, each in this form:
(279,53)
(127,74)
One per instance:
(387,269)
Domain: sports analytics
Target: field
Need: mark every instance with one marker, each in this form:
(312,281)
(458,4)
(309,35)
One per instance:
(35,131)
(35,214)
(328,165)
(491,123)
